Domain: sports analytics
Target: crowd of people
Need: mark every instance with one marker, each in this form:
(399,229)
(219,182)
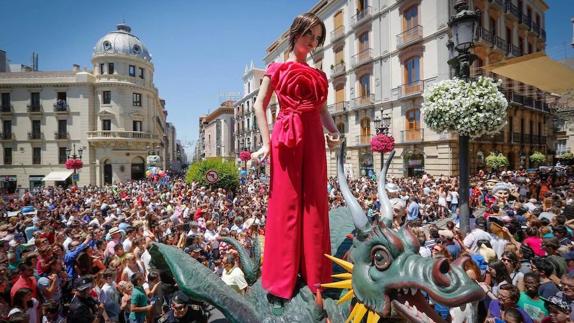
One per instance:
(82,254)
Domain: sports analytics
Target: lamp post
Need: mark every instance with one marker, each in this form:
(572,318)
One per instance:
(71,155)
(463,30)
(382,127)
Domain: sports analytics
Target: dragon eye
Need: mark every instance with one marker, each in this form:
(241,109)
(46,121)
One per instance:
(381,257)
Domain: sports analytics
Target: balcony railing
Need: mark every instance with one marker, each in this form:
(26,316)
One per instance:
(414,88)
(363,101)
(35,135)
(361,16)
(109,134)
(61,106)
(363,57)
(485,35)
(337,33)
(338,107)
(7,136)
(498,138)
(513,50)
(362,140)
(528,21)
(6,108)
(34,108)
(338,69)
(61,135)
(512,10)
(412,135)
(410,36)
(500,43)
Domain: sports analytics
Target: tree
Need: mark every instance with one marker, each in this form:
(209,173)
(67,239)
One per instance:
(537,158)
(228,176)
(496,162)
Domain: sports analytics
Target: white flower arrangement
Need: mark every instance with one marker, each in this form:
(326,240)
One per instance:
(472,109)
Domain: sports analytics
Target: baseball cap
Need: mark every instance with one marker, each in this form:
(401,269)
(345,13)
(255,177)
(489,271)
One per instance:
(83,283)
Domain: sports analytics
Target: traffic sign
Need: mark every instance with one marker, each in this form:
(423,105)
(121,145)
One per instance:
(211,176)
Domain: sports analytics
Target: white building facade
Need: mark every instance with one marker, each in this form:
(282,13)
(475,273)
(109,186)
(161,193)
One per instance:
(113,113)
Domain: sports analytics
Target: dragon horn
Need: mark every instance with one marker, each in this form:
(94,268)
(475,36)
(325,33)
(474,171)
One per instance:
(359,217)
(386,207)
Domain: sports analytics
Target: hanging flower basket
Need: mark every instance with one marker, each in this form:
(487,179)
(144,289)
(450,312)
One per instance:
(472,109)
(245,155)
(74,164)
(537,158)
(496,162)
(382,143)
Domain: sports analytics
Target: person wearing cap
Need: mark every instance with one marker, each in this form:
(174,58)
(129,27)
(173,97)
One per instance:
(116,236)
(558,309)
(182,311)
(83,308)
(478,233)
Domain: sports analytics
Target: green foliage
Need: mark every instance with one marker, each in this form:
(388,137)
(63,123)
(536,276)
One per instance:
(537,158)
(567,156)
(496,162)
(227,172)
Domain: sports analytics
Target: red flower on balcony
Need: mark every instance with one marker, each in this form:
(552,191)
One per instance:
(245,155)
(74,164)
(382,143)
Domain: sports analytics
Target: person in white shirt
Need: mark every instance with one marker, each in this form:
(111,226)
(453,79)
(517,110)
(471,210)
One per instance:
(478,233)
(210,233)
(233,275)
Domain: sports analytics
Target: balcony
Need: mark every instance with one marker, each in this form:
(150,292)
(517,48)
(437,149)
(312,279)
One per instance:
(536,28)
(363,57)
(338,70)
(411,89)
(338,107)
(512,50)
(34,108)
(512,10)
(485,35)
(337,34)
(363,101)
(497,138)
(35,135)
(412,135)
(120,135)
(527,21)
(61,107)
(517,138)
(61,135)
(7,136)
(500,43)
(362,140)
(6,109)
(409,36)
(361,16)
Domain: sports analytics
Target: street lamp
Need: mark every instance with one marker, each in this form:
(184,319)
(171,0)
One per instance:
(74,160)
(463,30)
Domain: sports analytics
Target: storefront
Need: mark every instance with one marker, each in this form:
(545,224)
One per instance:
(414,163)
(36,181)
(9,184)
(366,164)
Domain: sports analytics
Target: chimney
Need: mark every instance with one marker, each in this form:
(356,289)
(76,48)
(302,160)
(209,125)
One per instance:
(3,62)
(75,68)
(34,61)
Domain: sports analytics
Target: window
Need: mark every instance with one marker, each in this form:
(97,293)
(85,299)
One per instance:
(107,97)
(62,155)
(530,49)
(492,26)
(5,101)
(102,68)
(412,73)
(561,146)
(411,18)
(137,126)
(132,70)
(62,127)
(362,5)
(36,155)
(365,85)
(106,124)
(521,45)
(364,41)
(35,99)
(141,73)
(412,126)
(7,129)
(110,68)
(36,129)
(137,99)
(341,127)
(7,156)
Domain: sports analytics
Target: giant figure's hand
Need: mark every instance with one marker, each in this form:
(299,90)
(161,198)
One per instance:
(333,140)
(261,154)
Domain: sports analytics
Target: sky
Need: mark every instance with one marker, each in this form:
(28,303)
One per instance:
(199,48)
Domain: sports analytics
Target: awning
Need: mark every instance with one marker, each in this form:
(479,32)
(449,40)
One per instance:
(537,70)
(58,176)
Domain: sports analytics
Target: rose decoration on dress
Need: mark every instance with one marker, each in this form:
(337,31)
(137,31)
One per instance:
(245,155)
(299,85)
(74,164)
(382,143)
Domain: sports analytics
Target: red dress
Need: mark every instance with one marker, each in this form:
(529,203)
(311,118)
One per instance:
(297,228)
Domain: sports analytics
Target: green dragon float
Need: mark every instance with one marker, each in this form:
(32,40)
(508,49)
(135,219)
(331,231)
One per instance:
(383,276)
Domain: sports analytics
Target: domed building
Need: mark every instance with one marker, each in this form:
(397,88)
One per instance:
(112,114)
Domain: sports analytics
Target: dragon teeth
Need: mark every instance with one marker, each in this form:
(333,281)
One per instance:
(413,291)
(405,291)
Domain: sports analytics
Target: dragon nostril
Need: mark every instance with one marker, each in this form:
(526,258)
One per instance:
(444,267)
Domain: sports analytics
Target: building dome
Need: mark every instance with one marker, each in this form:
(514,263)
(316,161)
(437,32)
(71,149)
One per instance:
(122,42)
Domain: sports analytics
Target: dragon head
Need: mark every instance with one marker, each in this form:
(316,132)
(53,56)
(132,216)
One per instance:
(387,268)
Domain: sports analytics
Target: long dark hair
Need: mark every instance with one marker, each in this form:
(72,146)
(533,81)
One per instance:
(302,24)
(501,272)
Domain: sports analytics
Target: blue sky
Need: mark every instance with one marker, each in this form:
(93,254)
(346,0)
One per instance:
(199,48)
